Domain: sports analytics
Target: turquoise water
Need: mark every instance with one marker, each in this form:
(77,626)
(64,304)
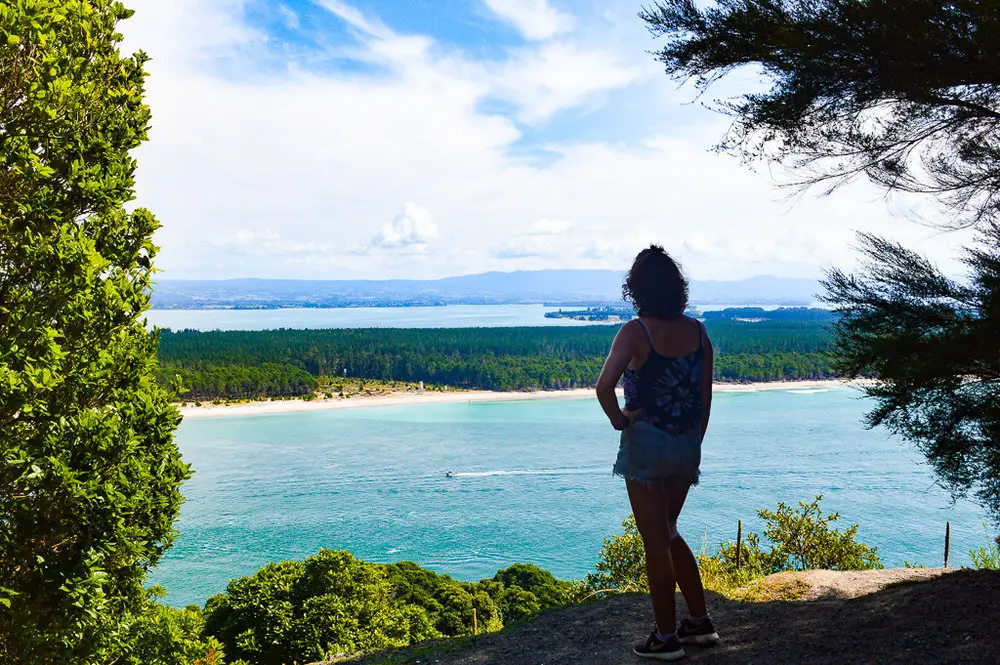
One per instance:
(532,483)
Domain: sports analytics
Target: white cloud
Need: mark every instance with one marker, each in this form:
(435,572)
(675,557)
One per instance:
(534,19)
(295,174)
(356,19)
(292,19)
(551,227)
(413,227)
(265,243)
(543,238)
(545,80)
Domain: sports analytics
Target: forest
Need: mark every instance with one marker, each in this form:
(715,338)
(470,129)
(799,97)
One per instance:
(282,363)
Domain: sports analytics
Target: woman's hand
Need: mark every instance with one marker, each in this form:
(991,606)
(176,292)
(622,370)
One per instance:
(630,415)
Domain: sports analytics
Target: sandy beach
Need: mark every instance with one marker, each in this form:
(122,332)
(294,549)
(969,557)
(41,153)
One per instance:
(409,398)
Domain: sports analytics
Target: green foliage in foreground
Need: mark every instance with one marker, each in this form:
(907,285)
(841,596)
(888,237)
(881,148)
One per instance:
(802,539)
(932,343)
(90,474)
(160,635)
(622,564)
(333,603)
(273,363)
(987,557)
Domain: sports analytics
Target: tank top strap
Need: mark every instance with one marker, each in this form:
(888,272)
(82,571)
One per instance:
(649,337)
(702,334)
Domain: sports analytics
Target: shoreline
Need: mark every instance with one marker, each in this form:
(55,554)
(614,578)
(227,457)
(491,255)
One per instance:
(273,407)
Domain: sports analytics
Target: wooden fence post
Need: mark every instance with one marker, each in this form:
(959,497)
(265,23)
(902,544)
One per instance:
(947,542)
(739,543)
(475,624)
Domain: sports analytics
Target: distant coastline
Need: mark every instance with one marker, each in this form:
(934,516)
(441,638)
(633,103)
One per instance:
(274,407)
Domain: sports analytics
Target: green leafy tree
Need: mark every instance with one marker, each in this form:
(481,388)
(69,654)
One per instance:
(905,93)
(932,343)
(90,474)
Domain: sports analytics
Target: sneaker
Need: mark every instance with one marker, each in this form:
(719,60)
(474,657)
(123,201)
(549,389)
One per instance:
(702,633)
(669,649)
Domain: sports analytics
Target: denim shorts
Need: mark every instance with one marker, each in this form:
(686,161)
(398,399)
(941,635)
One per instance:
(649,453)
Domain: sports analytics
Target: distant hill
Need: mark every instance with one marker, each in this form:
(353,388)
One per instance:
(557,287)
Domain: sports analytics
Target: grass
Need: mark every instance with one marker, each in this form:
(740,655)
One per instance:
(778,587)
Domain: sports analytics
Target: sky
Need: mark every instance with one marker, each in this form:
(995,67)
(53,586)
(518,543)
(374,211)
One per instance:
(377,139)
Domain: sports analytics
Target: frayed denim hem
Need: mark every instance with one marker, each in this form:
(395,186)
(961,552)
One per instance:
(649,454)
(654,481)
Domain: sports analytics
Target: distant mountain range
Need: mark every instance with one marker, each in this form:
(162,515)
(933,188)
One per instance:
(555,287)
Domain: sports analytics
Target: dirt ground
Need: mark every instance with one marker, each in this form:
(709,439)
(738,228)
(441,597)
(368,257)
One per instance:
(892,616)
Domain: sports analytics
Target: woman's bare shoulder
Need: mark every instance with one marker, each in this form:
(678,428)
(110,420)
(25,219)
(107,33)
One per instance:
(630,329)
(693,322)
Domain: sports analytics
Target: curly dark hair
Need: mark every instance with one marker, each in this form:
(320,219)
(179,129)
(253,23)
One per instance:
(655,285)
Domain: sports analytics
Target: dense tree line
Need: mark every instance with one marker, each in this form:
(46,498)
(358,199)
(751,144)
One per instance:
(242,364)
(238,381)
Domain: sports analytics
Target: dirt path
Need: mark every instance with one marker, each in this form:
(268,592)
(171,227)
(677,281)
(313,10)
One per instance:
(922,616)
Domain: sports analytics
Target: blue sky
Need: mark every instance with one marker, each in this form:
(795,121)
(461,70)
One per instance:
(411,138)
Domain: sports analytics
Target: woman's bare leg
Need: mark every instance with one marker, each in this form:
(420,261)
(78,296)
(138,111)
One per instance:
(651,509)
(683,559)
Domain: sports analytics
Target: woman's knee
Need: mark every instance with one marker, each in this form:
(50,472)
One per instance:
(656,542)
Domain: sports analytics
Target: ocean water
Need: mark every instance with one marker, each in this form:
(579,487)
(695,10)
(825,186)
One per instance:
(452,316)
(532,483)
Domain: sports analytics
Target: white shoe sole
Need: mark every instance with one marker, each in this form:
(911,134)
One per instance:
(665,655)
(700,640)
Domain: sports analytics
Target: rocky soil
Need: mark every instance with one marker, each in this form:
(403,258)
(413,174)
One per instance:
(888,616)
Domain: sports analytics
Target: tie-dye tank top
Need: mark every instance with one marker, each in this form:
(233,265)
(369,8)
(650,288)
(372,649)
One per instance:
(667,389)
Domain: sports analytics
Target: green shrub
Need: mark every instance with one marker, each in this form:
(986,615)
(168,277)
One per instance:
(305,611)
(161,635)
(333,603)
(447,604)
(806,540)
(986,557)
(802,539)
(527,590)
(621,566)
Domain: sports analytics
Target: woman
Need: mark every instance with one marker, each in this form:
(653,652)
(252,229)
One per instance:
(666,359)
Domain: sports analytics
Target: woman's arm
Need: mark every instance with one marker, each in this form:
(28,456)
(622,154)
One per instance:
(618,359)
(707,373)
